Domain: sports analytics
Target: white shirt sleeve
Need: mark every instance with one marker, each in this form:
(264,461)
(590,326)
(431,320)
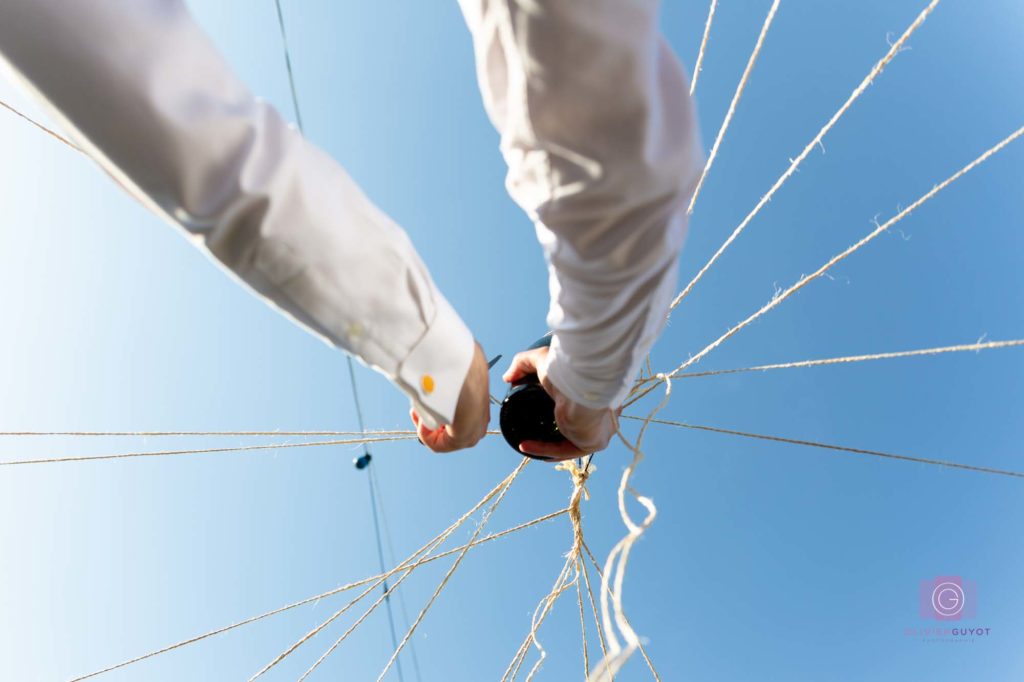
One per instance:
(145,93)
(603,152)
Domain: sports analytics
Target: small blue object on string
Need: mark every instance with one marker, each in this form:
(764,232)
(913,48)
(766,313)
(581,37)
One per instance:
(362,461)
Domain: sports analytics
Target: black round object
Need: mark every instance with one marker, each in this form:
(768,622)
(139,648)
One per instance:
(528,412)
(362,461)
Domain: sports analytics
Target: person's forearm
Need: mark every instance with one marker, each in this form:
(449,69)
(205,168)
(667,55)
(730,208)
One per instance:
(144,91)
(600,137)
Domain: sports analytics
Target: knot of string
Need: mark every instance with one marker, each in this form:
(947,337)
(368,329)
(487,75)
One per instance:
(579,472)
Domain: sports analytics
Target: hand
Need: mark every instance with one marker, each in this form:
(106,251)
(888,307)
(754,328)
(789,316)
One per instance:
(472,412)
(587,430)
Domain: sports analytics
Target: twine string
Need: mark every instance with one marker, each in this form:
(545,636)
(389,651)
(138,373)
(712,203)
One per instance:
(976,347)
(839,448)
(732,105)
(613,577)
(52,133)
(170,453)
(894,49)
(451,570)
(807,279)
(579,475)
(324,595)
(583,621)
(703,46)
(425,549)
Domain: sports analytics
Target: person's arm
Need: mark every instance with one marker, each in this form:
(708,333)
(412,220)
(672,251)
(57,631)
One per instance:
(146,94)
(601,141)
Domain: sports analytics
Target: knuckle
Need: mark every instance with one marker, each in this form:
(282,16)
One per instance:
(476,438)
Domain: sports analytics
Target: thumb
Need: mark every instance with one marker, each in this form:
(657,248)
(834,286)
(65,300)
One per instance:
(523,364)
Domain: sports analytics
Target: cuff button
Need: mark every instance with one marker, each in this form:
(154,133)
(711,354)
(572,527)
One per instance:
(427,382)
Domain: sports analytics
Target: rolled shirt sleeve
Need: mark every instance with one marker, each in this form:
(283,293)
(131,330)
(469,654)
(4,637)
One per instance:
(603,151)
(145,93)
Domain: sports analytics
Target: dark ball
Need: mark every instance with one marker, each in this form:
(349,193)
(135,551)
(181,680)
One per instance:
(528,413)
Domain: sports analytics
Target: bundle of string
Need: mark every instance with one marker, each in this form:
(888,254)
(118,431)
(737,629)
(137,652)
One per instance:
(617,637)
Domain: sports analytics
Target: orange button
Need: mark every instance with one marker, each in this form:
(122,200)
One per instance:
(428,384)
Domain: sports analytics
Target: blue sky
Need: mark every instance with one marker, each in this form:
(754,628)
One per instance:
(766,562)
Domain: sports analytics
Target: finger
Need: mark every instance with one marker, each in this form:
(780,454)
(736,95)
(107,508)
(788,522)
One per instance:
(554,451)
(563,458)
(422,432)
(416,424)
(441,439)
(461,439)
(432,438)
(587,443)
(523,364)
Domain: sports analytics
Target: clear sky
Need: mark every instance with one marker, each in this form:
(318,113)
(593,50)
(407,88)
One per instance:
(767,561)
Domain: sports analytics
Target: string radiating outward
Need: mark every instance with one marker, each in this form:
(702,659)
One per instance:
(404,566)
(583,620)
(579,473)
(807,279)
(146,434)
(593,606)
(735,101)
(839,448)
(815,141)
(500,496)
(380,558)
(52,133)
(168,453)
(703,46)
(288,63)
(448,575)
(392,558)
(976,347)
(324,595)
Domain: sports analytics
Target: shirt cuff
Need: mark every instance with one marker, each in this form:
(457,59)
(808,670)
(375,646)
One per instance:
(435,369)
